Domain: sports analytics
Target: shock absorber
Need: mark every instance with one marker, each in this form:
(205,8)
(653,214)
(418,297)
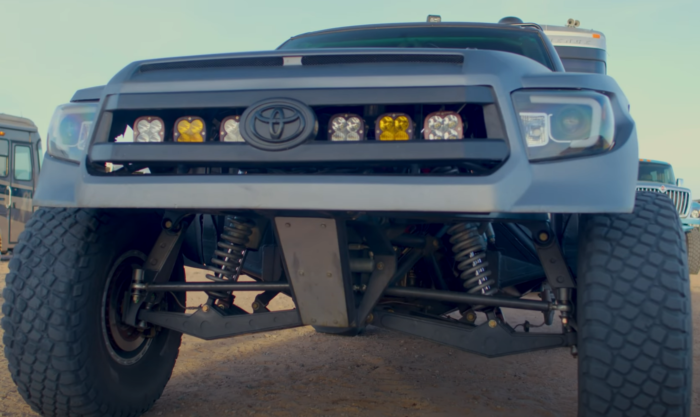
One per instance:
(229,254)
(469,247)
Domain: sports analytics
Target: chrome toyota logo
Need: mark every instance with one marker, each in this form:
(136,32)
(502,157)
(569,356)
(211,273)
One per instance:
(278,124)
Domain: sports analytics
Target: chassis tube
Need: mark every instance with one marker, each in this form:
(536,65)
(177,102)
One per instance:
(455,297)
(218,286)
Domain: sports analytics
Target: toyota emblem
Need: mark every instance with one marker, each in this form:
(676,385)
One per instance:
(278,124)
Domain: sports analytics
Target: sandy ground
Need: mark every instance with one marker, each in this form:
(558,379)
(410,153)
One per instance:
(298,372)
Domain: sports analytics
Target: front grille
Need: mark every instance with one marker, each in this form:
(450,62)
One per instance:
(381,59)
(681,199)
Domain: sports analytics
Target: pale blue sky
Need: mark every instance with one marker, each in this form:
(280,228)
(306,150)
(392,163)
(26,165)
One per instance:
(51,48)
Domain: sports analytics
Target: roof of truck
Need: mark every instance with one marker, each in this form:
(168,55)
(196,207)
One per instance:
(15,122)
(654,161)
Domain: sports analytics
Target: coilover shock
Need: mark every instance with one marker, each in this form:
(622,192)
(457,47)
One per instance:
(469,247)
(229,254)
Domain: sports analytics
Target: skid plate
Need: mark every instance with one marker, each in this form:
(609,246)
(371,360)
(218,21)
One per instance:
(314,265)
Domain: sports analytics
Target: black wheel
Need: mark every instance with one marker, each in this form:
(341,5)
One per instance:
(693,242)
(633,313)
(68,351)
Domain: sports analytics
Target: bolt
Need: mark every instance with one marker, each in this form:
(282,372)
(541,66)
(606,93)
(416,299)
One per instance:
(168,224)
(328,274)
(323,225)
(154,261)
(287,225)
(493,324)
(380,266)
(256,305)
(544,236)
(471,316)
(205,308)
(370,318)
(560,280)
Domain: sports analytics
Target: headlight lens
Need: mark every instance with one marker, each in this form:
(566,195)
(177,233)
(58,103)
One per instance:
(346,127)
(189,129)
(695,214)
(149,129)
(69,131)
(564,123)
(394,126)
(231,130)
(443,125)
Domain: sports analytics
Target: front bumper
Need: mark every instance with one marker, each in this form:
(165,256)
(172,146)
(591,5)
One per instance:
(597,184)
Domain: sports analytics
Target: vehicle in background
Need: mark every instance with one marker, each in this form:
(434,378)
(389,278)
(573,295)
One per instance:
(20,161)
(658,176)
(580,50)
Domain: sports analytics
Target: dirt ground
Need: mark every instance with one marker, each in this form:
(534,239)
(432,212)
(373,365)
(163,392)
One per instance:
(298,372)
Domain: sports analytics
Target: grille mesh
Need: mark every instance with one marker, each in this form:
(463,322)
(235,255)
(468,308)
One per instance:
(681,199)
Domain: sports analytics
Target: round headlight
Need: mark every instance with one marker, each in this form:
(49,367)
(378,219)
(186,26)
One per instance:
(695,214)
(572,122)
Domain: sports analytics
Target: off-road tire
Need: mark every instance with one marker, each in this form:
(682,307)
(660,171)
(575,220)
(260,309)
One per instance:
(54,342)
(634,313)
(693,242)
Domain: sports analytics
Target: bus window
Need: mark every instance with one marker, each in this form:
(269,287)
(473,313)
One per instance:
(4,153)
(23,163)
(584,65)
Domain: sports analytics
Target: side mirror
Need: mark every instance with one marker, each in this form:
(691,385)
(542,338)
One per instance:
(679,182)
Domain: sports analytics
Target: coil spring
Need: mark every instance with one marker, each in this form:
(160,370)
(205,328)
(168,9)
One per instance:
(469,247)
(230,252)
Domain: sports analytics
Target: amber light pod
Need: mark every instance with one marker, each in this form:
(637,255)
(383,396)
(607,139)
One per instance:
(393,126)
(189,129)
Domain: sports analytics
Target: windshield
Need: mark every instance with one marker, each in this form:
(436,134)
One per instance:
(656,172)
(517,41)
